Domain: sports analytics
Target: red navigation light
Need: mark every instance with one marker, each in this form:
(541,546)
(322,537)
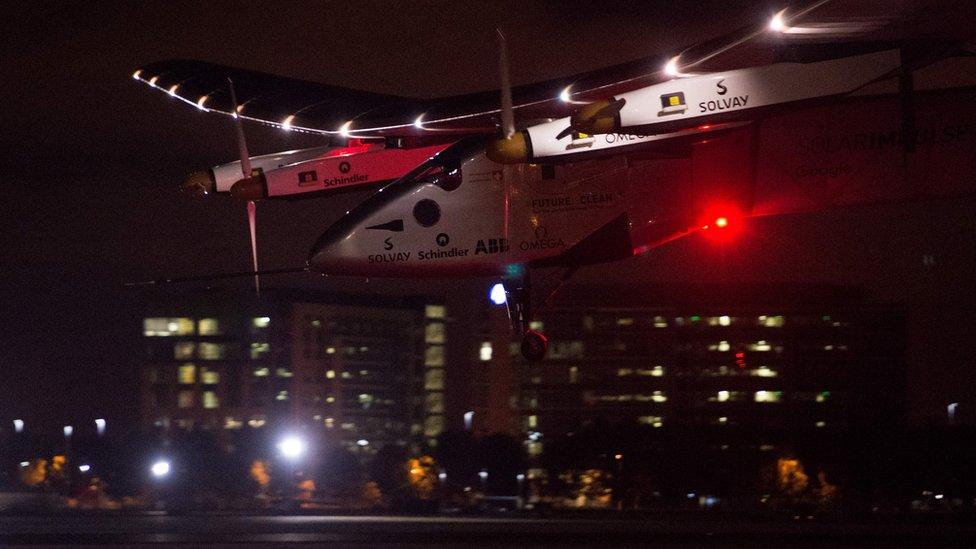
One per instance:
(721,222)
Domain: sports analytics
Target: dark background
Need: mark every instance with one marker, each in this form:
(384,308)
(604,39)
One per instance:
(91,163)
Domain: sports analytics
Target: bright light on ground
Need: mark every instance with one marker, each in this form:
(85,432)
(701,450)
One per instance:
(160,469)
(291,447)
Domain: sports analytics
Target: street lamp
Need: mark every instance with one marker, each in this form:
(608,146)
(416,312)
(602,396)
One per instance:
(292,447)
(483,475)
(160,468)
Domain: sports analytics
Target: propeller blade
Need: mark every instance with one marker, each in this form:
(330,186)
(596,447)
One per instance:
(246,170)
(239,133)
(252,222)
(508,116)
(566,131)
(612,109)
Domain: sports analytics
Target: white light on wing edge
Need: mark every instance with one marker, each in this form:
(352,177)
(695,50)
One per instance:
(564,95)
(136,75)
(777,23)
(419,122)
(344,130)
(201,101)
(172,90)
(152,81)
(671,67)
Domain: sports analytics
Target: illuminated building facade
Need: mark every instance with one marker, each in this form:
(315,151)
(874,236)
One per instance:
(366,370)
(759,363)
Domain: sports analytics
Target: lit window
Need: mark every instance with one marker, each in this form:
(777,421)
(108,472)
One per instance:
(660,322)
(210,400)
(821,424)
(365,400)
(283,372)
(533,422)
(209,377)
(435,311)
(184,399)
(764,371)
(261,372)
(186,374)
(434,355)
(761,346)
(573,374)
(434,333)
(330,374)
(209,326)
(330,350)
(723,396)
(537,325)
(723,420)
(768,396)
(721,346)
(329,423)
(654,421)
(330,399)
(433,426)
(259,349)
(158,326)
(183,350)
(232,423)
(261,322)
(822,396)
(212,351)
(658,396)
(434,379)
(256,422)
(625,321)
(724,321)
(282,395)
(434,403)
(771,321)
(484,354)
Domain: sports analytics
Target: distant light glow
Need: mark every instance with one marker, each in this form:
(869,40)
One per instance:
(152,81)
(24,463)
(419,122)
(497,294)
(564,95)
(68,430)
(160,469)
(286,123)
(239,108)
(84,468)
(671,67)
(172,89)
(18,425)
(100,425)
(136,75)
(778,23)
(362,442)
(722,222)
(201,101)
(292,447)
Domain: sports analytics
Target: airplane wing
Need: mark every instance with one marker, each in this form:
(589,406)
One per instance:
(817,27)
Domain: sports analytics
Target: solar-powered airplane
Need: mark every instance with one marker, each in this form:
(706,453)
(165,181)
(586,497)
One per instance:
(610,164)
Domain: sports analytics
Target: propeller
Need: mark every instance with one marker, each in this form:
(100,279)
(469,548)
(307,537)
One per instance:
(508,115)
(597,117)
(510,145)
(246,170)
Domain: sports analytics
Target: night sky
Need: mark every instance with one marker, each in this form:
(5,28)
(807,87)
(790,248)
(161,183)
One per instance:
(92,162)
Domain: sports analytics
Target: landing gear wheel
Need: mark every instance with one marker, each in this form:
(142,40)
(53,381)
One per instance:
(534,346)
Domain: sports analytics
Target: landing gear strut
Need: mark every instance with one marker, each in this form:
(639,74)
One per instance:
(519,300)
